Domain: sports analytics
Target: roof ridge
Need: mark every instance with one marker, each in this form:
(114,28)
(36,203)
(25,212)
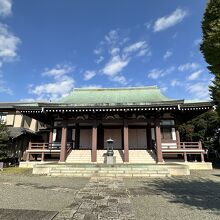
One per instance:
(116,88)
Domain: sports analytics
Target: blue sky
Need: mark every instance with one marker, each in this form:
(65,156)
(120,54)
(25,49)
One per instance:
(50,47)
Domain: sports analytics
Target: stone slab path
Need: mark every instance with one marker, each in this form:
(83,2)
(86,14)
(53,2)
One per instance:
(102,198)
(22,214)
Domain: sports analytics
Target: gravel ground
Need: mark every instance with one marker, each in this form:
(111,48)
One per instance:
(177,198)
(31,192)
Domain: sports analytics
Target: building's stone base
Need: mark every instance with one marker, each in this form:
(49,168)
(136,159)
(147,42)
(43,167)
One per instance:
(30,164)
(197,165)
(125,170)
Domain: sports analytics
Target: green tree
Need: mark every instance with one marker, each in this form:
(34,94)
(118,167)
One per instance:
(4,138)
(210,46)
(202,128)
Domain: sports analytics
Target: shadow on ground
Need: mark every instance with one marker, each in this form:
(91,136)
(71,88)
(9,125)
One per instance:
(200,193)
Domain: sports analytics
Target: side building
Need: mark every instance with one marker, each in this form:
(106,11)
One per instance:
(22,129)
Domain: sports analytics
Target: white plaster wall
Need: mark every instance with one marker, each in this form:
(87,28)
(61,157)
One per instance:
(18,120)
(10,119)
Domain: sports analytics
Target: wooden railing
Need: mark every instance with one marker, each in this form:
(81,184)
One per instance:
(186,148)
(190,145)
(35,149)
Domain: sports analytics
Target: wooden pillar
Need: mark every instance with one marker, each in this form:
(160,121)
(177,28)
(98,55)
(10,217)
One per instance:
(77,134)
(63,143)
(149,137)
(125,140)
(43,153)
(184,153)
(27,153)
(51,137)
(177,137)
(202,155)
(158,142)
(94,142)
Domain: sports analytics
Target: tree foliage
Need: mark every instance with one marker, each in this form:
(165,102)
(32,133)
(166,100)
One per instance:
(202,128)
(4,138)
(210,46)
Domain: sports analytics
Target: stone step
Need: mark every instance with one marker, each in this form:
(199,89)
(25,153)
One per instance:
(96,171)
(153,175)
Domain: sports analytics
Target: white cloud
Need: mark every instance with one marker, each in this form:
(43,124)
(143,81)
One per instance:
(148,24)
(175,82)
(4,88)
(195,75)
(174,36)
(114,51)
(120,55)
(58,70)
(97,51)
(112,37)
(157,73)
(8,44)
(93,86)
(60,86)
(99,60)
(164,88)
(170,20)
(89,74)
(139,48)
(28,100)
(5,7)
(198,90)
(188,66)
(8,51)
(54,90)
(115,65)
(120,80)
(168,54)
(197,41)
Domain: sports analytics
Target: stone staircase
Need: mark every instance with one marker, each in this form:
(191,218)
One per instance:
(119,154)
(135,156)
(142,156)
(128,170)
(79,156)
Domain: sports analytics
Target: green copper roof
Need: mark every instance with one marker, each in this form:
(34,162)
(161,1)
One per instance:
(115,96)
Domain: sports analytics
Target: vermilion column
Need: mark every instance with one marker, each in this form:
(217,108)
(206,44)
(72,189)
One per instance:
(63,144)
(149,137)
(126,146)
(158,142)
(51,136)
(94,142)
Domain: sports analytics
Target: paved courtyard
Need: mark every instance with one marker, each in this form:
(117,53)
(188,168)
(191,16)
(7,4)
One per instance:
(24,196)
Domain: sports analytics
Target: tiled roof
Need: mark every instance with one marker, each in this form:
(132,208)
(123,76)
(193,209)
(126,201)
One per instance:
(116,96)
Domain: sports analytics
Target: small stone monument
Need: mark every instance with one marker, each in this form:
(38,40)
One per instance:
(110,159)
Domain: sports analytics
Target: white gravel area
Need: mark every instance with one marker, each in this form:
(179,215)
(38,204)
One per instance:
(177,198)
(38,192)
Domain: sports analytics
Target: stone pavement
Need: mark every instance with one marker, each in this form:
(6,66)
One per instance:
(23,214)
(101,198)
